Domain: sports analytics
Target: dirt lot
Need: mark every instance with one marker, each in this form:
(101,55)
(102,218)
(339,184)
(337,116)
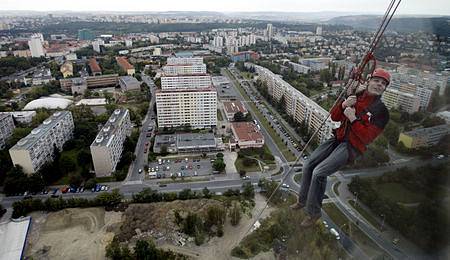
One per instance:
(219,248)
(71,234)
(84,233)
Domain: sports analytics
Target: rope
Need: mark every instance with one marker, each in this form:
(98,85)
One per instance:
(350,81)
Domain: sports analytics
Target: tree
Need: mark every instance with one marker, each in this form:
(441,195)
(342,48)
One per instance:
(239,117)
(391,132)
(90,183)
(215,215)
(15,181)
(84,157)
(67,163)
(35,183)
(249,191)
(219,165)
(206,193)
(235,214)
(75,179)
(109,198)
(40,116)
(18,134)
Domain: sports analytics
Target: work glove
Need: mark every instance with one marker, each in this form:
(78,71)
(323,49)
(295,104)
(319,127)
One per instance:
(349,102)
(350,112)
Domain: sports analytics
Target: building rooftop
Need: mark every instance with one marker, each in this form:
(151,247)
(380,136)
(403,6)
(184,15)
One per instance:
(13,238)
(40,131)
(123,62)
(49,103)
(127,80)
(94,65)
(246,131)
(234,106)
(195,140)
(427,131)
(108,131)
(208,89)
(92,102)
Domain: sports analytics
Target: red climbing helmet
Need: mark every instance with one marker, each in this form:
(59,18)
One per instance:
(381,73)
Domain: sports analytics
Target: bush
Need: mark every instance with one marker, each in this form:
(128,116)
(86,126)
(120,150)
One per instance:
(90,183)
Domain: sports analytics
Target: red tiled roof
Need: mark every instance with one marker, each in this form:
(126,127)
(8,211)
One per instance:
(246,131)
(94,65)
(123,62)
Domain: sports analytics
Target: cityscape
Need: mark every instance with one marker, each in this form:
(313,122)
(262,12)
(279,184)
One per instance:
(219,131)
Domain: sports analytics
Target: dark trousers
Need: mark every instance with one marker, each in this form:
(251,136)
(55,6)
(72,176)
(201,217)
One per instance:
(324,161)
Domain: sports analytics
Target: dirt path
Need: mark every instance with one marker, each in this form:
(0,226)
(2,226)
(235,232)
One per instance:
(219,248)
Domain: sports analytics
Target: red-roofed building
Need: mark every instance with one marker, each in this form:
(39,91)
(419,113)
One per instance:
(125,65)
(246,135)
(232,107)
(95,68)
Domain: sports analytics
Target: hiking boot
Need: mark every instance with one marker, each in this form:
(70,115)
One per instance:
(309,221)
(296,206)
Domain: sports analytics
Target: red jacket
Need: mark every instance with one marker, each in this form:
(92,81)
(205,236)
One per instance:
(372,117)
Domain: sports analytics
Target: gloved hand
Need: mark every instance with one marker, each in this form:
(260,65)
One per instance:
(349,102)
(349,112)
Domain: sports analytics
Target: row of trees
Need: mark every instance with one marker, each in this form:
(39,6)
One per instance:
(426,223)
(26,206)
(143,249)
(12,64)
(149,195)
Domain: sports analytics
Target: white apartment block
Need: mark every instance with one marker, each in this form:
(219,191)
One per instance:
(394,98)
(194,107)
(106,149)
(185,82)
(34,150)
(23,117)
(184,60)
(184,69)
(6,128)
(424,79)
(35,44)
(424,94)
(299,106)
(300,68)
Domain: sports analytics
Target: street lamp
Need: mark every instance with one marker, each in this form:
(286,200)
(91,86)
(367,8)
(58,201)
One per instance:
(382,222)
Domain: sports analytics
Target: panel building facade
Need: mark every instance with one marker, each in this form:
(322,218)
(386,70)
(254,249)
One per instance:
(6,128)
(106,149)
(194,107)
(298,106)
(37,148)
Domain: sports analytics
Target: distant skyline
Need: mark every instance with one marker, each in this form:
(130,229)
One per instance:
(407,7)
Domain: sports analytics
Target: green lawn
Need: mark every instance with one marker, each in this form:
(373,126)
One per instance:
(105,179)
(365,214)
(275,137)
(397,193)
(219,115)
(297,177)
(251,168)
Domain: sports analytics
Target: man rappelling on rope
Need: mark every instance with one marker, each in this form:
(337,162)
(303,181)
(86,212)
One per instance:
(363,117)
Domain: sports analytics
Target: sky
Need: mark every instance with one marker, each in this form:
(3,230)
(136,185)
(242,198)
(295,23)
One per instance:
(435,7)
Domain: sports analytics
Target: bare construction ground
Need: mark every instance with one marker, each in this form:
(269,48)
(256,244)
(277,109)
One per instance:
(71,234)
(219,248)
(84,233)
